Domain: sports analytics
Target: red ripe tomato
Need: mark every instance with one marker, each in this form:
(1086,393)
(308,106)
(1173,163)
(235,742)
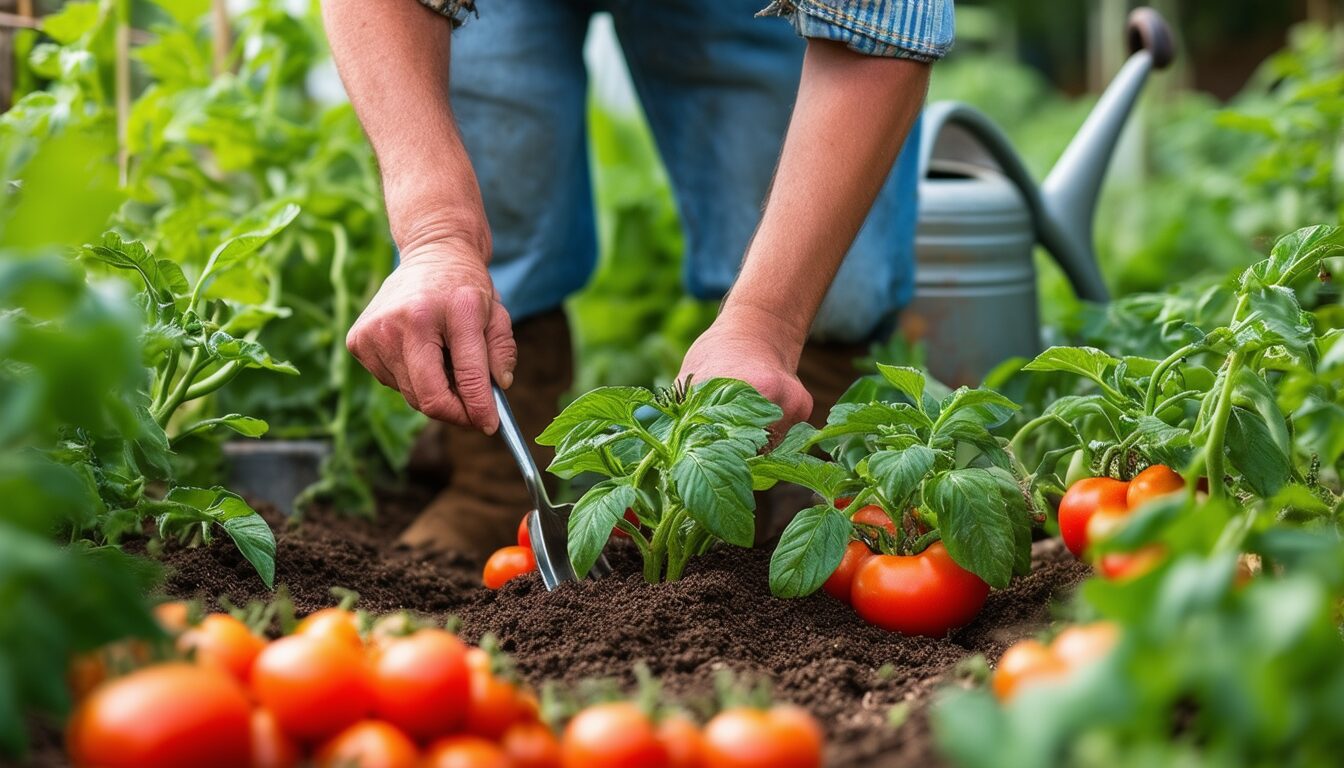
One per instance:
(508,563)
(875,516)
(1153,483)
(924,594)
(338,623)
(1026,662)
(369,744)
(684,743)
(531,745)
(616,735)
(1085,643)
(494,705)
(466,752)
(631,518)
(782,737)
(843,502)
(421,683)
(314,685)
(1127,566)
(272,747)
(524,538)
(223,642)
(839,582)
(161,716)
(1083,499)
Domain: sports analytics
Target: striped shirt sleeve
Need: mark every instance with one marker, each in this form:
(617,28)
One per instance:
(455,11)
(910,29)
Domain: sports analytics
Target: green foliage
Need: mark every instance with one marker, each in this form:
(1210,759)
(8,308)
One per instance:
(683,469)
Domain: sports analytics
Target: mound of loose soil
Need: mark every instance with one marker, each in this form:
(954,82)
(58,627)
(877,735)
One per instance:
(719,616)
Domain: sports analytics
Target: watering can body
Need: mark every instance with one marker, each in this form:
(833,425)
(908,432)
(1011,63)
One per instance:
(981,215)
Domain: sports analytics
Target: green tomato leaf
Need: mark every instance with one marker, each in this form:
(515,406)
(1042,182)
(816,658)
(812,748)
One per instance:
(597,410)
(249,353)
(1019,514)
(1252,449)
(714,483)
(809,551)
(1089,362)
(593,518)
(974,522)
(233,250)
(597,453)
(1276,319)
(982,406)
(899,473)
(823,477)
(162,278)
(255,541)
(870,418)
(907,381)
(247,426)
(1292,255)
(735,402)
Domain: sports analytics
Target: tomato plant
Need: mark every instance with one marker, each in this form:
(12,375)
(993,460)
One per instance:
(684,473)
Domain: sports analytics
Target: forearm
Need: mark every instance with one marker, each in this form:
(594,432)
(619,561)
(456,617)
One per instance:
(394,62)
(850,120)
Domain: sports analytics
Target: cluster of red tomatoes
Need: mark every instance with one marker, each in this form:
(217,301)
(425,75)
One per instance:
(396,696)
(323,695)
(1094,508)
(921,594)
(1031,662)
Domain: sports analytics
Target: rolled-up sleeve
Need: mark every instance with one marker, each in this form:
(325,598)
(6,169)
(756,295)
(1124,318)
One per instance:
(456,11)
(909,29)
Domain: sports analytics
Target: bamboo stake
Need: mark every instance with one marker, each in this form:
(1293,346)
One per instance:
(123,84)
(223,38)
(26,9)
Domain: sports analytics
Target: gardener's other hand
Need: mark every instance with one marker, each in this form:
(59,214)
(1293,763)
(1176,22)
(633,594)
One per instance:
(439,300)
(739,347)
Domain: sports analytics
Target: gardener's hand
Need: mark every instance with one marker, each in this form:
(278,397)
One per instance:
(440,299)
(752,349)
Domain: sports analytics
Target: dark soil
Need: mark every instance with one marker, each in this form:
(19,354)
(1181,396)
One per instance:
(720,616)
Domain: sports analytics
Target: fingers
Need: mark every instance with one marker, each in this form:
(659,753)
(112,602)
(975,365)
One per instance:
(426,381)
(500,346)
(467,315)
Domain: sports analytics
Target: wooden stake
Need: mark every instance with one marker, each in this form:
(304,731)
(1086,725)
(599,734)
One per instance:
(223,36)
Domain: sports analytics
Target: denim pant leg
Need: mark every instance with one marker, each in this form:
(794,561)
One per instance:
(519,92)
(718,86)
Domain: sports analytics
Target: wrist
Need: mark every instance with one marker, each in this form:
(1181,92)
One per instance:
(765,327)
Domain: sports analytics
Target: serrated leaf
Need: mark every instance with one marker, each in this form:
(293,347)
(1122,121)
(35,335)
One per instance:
(1251,448)
(255,541)
(974,522)
(1089,362)
(810,472)
(162,278)
(870,418)
(907,381)
(732,401)
(1275,319)
(984,406)
(597,410)
(249,353)
(238,247)
(714,484)
(1291,253)
(899,473)
(809,551)
(593,518)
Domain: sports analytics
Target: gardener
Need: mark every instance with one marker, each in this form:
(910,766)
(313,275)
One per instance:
(489,199)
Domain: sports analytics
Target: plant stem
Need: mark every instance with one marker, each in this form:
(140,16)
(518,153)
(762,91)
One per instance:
(1215,446)
(214,381)
(1160,373)
(667,529)
(165,411)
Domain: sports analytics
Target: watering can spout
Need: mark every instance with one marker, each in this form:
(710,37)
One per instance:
(1069,194)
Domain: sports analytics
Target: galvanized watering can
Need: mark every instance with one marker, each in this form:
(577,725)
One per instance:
(981,215)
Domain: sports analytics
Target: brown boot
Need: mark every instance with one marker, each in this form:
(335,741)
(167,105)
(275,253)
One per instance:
(826,370)
(479,510)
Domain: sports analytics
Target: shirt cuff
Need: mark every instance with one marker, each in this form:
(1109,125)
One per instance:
(921,30)
(454,10)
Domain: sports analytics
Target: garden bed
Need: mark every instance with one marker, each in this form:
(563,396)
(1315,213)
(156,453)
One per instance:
(719,616)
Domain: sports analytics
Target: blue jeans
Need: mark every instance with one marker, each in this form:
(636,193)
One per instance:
(717,86)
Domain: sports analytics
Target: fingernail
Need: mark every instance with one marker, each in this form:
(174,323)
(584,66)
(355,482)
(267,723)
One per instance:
(506,380)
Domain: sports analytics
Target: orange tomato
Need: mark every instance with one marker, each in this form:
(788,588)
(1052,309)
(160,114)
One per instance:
(1153,483)
(161,716)
(173,616)
(466,752)
(1024,663)
(314,685)
(223,642)
(369,744)
(507,563)
(1085,643)
(338,623)
(531,745)
(271,746)
(494,705)
(781,737)
(421,683)
(615,735)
